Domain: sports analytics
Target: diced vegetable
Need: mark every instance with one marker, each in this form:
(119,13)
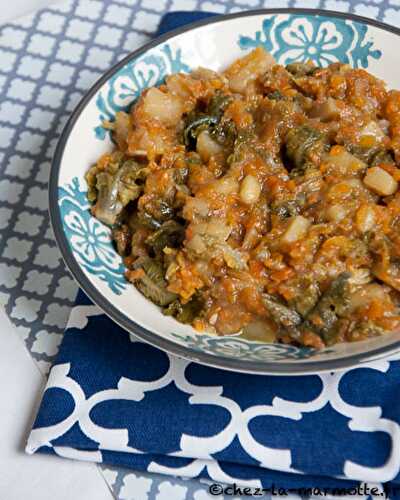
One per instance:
(206,146)
(248,68)
(233,258)
(334,302)
(335,213)
(362,297)
(372,131)
(366,329)
(207,238)
(326,110)
(365,218)
(360,276)
(197,245)
(344,163)
(380,181)
(170,234)
(226,185)
(296,229)
(370,142)
(303,143)
(286,318)
(201,73)
(301,69)
(185,313)
(164,107)
(389,274)
(152,283)
(305,301)
(122,236)
(250,190)
(261,331)
(121,128)
(196,207)
(214,229)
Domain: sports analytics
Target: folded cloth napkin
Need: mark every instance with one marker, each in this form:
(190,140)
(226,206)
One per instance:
(111,398)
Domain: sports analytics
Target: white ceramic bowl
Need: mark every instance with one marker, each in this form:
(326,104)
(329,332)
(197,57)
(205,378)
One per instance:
(85,243)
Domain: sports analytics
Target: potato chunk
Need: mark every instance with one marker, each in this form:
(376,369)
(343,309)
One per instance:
(206,146)
(343,162)
(373,130)
(248,69)
(335,213)
(165,108)
(380,181)
(326,111)
(296,230)
(250,190)
(365,218)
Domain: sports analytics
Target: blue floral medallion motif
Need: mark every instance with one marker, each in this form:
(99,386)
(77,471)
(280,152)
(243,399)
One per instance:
(321,39)
(235,347)
(129,82)
(90,240)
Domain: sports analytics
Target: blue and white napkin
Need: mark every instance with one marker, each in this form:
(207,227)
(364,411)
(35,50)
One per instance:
(113,399)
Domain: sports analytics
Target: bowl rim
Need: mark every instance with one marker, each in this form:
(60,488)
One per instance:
(278,368)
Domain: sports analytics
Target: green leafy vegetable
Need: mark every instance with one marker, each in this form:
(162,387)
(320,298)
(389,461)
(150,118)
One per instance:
(170,234)
(301,69)
(276,95)
(286,318)
(285,209)
(197,121)
(185,313)
(382,156)
(307,299)
(302,144)
(116,190)
(152,284)
(155,214)
(108,206)
(122,236)
(333,304)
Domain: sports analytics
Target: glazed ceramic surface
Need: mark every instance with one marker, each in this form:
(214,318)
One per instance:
(290,35)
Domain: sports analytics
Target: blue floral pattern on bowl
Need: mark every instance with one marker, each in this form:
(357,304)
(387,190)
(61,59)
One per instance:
(321,39)
(90,240)
(235,347)
(128,83)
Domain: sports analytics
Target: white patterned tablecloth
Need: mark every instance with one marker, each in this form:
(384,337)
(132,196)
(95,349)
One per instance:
(47,61)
